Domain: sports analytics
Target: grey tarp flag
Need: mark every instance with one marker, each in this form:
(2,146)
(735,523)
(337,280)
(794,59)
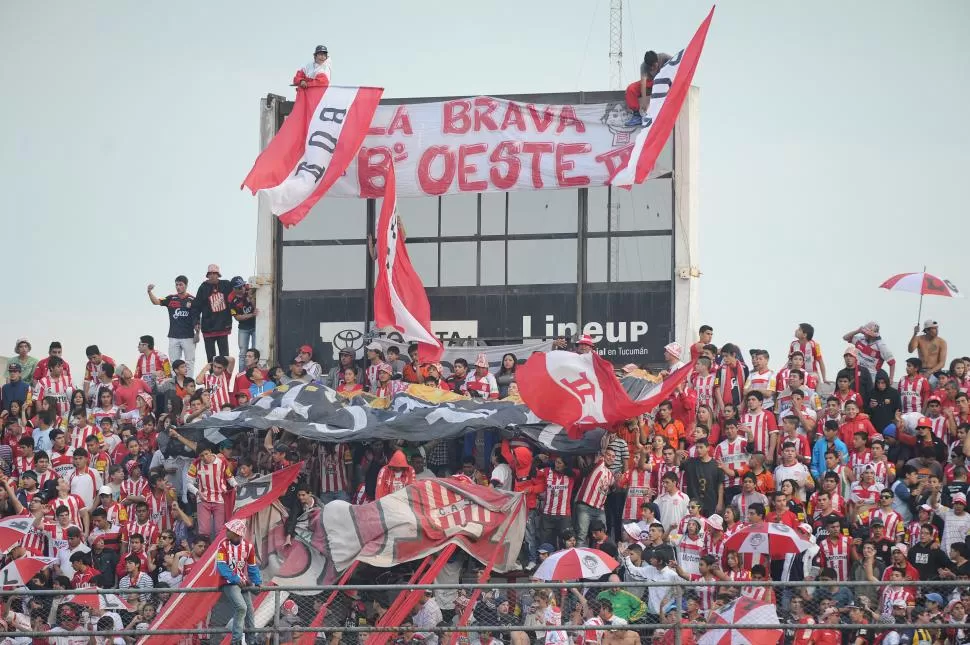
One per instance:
(316,412)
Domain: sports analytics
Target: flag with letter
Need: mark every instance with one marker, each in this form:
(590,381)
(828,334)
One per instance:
(581,391)
(400,300)
(312,150)
(670,87)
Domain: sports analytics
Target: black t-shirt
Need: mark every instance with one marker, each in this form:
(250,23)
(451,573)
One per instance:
(181,320)
(702,481)
(865,633)
(242,305)
(951,489)
(212,308)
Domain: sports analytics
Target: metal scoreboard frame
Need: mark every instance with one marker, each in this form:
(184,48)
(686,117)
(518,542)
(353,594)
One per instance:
(631,283)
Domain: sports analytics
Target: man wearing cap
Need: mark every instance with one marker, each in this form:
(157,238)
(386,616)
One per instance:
(23,358)
(244,311)
(482,384)
(311,367)
(859,379)
(316,72)
(585,344)
(15,388)
(345,359)
(182,336)
(930,348)
(211,313)
(672,352)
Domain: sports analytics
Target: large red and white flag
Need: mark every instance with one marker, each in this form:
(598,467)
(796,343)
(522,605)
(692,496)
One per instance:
(188,610)
(400,300)
(581,391)
(421,519)
(318,140)
(670,88)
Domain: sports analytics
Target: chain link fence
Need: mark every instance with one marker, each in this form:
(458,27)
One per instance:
(521,613)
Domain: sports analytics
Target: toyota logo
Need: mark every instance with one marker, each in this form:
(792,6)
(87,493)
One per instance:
(349,339)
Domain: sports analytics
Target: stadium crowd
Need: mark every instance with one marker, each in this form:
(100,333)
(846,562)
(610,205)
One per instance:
(868,468)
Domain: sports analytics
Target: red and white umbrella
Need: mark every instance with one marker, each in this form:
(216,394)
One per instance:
(13,529)
(743,611)
(575,564)
(768,538)
(19,572)
(100,601)
(923,283)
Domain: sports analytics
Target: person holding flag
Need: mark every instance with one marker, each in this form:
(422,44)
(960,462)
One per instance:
(319,66)
(237,566)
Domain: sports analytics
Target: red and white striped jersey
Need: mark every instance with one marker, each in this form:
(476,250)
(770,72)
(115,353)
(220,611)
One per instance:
(62,463)
(662,469)
(211,480)
(558,491)
(22,464)
(239,557)
(370,377)
(761,593)
(913,392)
(116,514)
(137,487)
(333,473)
(35,540)
(153,361)
(858,462)
(862,494)
(760,426)
(689,552)
(847,396)
(45,476)
(706,594)
(715,547)
(743,501)
(892,521)
(111,537)
(79,436)
(160,510)
(596,486)
(781,380)
(57,537)
(812,352)
(74,504)
(482,387)
(704,386)
(218,386)
(637,484)
(59,388)
(890,595)
(939,427)
(885,472)
(148,530)
(734,454)
(835,554)
(100,413)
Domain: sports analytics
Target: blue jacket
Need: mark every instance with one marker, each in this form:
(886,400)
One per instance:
(818,455)
(13,392)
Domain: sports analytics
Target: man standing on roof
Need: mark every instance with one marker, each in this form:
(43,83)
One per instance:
(316,69)
(182,337)
(237,566)
(211,313)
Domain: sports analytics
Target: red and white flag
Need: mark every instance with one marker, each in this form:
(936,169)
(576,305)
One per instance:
(400,300)
(670,88)
(318,140)
(581,392)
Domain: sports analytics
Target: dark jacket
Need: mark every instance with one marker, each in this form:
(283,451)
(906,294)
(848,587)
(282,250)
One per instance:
(864,378)
(881,406)
(212,308)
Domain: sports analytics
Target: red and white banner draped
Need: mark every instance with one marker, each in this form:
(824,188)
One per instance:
(312,150)
(420,519)
(186,610)
(400,300)
(581,391)
(670,87)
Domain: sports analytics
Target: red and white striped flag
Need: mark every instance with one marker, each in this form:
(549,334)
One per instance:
(581,392)
(312,150)
(670,88)
(400,300)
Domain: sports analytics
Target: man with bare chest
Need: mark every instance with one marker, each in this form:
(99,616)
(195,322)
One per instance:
(930,348)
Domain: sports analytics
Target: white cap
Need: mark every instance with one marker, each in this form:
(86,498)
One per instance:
(106,490)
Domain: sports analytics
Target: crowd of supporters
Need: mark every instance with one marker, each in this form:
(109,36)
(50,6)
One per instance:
(868,467)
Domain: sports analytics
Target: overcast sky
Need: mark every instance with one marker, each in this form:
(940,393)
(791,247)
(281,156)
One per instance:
(834,144)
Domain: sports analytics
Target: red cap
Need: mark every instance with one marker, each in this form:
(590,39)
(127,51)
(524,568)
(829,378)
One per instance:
(934,399)
(924,423)
(306,349)
(585,339)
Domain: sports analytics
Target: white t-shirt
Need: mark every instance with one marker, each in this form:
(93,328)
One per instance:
(312,70)
(502,473)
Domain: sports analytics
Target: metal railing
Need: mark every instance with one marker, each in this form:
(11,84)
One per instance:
(333,623)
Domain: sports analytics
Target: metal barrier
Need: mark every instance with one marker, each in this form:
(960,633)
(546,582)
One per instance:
(351,617)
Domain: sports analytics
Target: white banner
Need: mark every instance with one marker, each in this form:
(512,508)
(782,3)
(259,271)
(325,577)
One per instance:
(485,144)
